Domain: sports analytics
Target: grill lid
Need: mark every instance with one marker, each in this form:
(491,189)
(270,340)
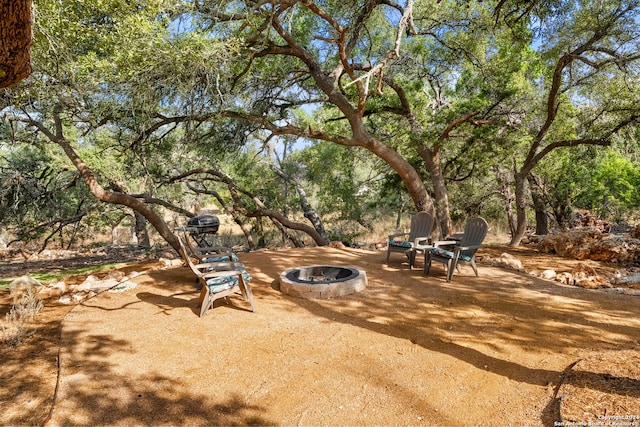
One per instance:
(204,223)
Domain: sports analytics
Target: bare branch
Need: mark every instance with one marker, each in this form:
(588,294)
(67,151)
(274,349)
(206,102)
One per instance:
(288,129)
(395,53)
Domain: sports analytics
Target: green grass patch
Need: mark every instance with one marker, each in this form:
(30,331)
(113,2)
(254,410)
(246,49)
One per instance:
(50,276)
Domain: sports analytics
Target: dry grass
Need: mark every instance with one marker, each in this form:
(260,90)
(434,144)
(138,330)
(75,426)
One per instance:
(25,308)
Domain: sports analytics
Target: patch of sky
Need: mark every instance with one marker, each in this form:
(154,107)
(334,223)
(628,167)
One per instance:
(182,24)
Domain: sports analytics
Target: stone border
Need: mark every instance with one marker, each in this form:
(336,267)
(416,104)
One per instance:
(323,290)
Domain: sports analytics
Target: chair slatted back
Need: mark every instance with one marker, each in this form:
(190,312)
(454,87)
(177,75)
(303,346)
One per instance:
(421,225)
(474,233)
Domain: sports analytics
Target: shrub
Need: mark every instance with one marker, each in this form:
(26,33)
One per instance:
(25,308)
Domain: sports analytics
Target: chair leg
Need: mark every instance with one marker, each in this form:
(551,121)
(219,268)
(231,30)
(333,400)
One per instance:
(205,300)
(412,258)
(427,262)
(246,293)
(474,266)
(388,253)
(451,265)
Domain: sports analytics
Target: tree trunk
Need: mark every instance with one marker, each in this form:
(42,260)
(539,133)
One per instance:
(236,218)
(412,180)
(15,41)
(431,159)
(562,209)
(311,214)
(361,136)
(521,210)
(542,220)
(141,233)
(399,216)
(441,198)
(507,197)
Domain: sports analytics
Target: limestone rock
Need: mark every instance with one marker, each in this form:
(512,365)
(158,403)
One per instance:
(548,274)
(53,290)
(170,263)
(565,278)
(504,260)
(593,282)
(582,271)
(21,285)
(590,243)
(510,261)
(629,277)
(94,284)
(572,244)
(117,275)
(124,286)
(65,299)
(616,249)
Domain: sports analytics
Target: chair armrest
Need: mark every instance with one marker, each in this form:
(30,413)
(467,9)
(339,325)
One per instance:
(419,242)
(220,266)
(468,248)
(445,243)
(218,250)
(213,274)
(458,249)
(391,236)
(455,236)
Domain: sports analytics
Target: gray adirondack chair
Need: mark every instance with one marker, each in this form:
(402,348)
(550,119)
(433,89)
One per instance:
(463,249)
(213,253)
(410,243)
(218,280)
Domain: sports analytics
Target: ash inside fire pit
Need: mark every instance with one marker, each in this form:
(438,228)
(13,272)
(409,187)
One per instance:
(322,281)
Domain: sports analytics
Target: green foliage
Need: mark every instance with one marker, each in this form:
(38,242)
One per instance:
(345,181)
(146,91)
(602,181)
(613,187)
(35,190)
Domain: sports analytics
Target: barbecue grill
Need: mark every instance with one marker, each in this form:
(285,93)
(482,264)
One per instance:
(203,229)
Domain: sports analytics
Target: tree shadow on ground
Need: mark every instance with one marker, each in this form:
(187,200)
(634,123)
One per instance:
(101,395)
(26,394)
(95,388)
(508,309)
(474,320)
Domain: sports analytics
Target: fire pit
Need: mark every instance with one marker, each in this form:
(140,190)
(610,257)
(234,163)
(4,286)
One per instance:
(322,281)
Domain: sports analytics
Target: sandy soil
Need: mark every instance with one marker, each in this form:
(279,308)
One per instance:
(501,349)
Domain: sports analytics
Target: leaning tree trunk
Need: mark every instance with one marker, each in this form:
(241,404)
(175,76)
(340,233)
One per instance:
(116,198)
(237,219)
(16,39)
(311,214)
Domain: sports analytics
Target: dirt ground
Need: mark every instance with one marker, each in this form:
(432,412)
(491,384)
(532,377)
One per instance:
(501,349)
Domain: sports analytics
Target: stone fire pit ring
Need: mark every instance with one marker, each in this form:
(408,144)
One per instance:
(322,281)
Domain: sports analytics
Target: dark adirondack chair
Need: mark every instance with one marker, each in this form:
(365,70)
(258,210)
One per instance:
(463,249)
(410,243)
